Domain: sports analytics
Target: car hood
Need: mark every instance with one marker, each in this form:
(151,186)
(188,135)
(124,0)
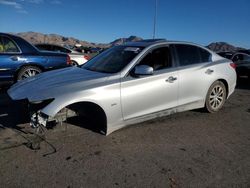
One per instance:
(51,84)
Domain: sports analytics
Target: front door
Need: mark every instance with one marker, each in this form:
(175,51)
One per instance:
(144,95)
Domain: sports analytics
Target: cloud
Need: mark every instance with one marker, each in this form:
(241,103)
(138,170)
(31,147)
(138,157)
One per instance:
(13,4)
(20,4)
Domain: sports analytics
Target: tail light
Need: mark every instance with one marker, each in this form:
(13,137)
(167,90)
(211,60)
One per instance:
(86,57)
(233,65)
(68,60)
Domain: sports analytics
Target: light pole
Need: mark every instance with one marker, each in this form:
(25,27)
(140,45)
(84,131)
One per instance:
(155,18)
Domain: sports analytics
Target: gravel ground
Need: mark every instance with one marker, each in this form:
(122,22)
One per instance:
(189,149)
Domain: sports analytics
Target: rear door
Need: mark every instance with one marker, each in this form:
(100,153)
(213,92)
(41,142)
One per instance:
(195,73)
(152,93)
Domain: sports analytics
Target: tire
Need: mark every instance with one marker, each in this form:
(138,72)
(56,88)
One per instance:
(27,72)
(74,63)
(216,97)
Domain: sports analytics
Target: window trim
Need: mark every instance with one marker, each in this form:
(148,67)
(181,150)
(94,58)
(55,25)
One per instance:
(1,40)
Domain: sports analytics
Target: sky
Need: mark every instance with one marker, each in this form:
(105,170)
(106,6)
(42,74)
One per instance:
(103,21)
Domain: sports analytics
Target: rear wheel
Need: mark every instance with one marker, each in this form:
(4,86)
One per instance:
(216,97)
(27,72)
(74,63)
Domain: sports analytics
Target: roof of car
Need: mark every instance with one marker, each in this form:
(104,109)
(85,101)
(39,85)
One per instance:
(149,42)
(9,35)
(6,34)
(145,43)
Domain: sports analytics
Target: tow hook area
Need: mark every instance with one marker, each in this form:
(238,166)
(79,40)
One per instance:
(38,119)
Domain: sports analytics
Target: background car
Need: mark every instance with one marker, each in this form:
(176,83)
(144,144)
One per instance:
(241,60)
(96,50)
(19,59)
(76,57)
(82,49)
(227,54)
(244,51)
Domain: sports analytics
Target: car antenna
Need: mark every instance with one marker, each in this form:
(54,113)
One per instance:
(155,18)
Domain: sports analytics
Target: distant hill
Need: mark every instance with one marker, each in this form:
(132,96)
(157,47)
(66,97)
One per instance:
(223,47)
(124,40)
(35,37)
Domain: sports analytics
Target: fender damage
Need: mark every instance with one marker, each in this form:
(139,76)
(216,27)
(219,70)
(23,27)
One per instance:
(47,95)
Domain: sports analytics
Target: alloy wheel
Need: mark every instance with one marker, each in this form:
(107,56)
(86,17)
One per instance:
(216,98)
(30,72)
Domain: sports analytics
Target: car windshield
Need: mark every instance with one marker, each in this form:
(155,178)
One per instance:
(113,60)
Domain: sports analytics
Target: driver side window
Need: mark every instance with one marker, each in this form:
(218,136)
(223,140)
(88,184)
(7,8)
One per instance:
(158,59)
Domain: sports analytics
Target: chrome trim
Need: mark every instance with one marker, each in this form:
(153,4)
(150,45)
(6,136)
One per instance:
(4,69)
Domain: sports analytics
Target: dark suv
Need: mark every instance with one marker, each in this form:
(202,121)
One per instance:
(241,60)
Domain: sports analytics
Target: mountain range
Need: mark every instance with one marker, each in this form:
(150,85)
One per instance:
(35,37)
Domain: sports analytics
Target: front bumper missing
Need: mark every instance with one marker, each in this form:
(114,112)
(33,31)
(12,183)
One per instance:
(31,112)
(41,119)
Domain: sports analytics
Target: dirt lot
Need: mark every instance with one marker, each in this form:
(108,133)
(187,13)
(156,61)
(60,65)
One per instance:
(190,149)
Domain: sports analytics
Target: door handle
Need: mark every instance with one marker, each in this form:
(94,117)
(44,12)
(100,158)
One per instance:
(171,79)
(209,71)
(14,58)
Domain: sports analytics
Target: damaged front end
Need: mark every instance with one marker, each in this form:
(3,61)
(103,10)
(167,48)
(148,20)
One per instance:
(38,118)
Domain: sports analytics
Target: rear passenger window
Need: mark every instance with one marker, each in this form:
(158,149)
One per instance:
(58,49)
(189,55)
(8,46)
(205,55)
(43,47)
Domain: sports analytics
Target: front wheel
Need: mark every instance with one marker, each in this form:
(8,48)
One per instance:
(216,97)
(27,72)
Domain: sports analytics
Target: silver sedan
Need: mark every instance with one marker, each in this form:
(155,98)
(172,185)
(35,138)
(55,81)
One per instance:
(131,83)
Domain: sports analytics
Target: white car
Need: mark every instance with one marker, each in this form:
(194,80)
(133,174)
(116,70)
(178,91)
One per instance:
(131,83)
(76,58)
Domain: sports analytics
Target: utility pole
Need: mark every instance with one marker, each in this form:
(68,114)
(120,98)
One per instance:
(155,18)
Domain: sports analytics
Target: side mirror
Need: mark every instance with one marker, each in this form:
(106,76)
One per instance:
(143,70)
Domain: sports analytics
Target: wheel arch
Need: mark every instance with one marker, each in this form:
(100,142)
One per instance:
(90,106)
(226,85)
